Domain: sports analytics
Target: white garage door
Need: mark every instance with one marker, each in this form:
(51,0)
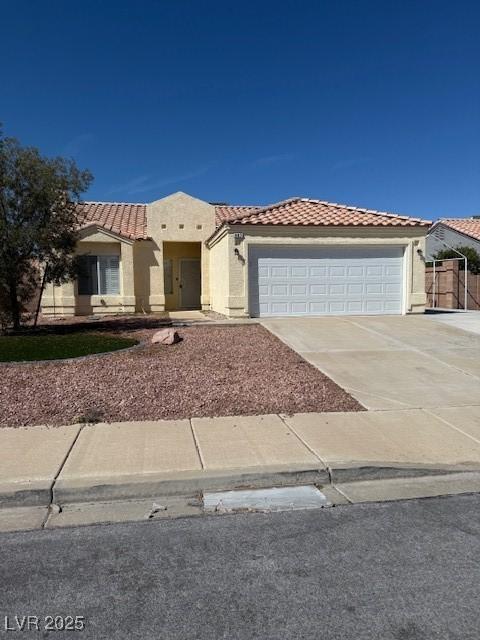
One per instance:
(297,281)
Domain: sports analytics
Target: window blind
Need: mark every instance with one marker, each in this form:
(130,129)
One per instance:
(109,275)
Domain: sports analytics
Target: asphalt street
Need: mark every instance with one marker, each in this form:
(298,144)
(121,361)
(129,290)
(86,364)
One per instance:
(401,570)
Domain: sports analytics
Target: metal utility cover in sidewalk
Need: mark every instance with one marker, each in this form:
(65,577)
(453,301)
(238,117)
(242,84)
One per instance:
(276,499)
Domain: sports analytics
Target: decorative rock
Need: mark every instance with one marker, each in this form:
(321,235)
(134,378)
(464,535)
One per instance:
(165,336)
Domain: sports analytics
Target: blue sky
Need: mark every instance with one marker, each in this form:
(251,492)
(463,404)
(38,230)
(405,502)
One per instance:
(371,103)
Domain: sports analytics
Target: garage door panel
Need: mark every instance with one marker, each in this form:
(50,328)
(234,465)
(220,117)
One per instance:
(318,308)
(355,288)
(355,271)
(374,288)
(279,290)
(299,290)
(299,307)
(393,289)
(392,306)
(336,272)
(318,289)
(374,271)
(280,308)
(354,306)
(393,270)
(299,272)
(337,290)
(322,280)
(374,306)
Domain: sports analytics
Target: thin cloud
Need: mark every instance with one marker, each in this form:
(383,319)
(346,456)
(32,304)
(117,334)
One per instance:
(77,144)
(267,161)
(127,187)
(164,182)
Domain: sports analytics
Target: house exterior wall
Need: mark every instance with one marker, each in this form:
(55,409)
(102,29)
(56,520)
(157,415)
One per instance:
(220,275)
(65,301)
(178,218)
(233,299)
(451,237)
(182,219)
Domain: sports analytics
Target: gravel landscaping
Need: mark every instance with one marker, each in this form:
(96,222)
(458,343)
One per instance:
(213,371)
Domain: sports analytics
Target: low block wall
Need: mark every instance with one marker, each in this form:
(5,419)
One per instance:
(450,287)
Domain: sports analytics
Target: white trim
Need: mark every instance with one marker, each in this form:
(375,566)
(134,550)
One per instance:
(106,232)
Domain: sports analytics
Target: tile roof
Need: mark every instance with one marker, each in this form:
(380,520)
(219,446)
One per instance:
(307,212)
(229,212)
(124,219)
(468,226)
(130,220)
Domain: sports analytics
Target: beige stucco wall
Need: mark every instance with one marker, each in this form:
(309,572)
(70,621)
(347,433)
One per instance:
(64,300)
(220,275)
(230,284)
(178,218)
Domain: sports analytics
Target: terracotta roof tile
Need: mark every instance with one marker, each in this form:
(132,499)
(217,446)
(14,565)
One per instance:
(307,212)
(130,220)
(468,226)
(229,212)
(124,219)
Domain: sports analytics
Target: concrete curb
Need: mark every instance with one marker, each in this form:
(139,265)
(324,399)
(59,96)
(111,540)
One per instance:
(182,484)
(359,472)
(191,484)
(104,489)
(25,494)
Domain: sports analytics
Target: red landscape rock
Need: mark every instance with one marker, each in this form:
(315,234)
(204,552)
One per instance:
(212,371)
(165,336)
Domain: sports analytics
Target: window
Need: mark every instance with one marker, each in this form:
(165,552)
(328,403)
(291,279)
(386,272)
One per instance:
(167,277)
(99,275)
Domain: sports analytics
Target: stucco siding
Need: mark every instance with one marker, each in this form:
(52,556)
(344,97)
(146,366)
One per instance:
(180,225)
(65,300)
(237,300)
(179,218)
(219,275)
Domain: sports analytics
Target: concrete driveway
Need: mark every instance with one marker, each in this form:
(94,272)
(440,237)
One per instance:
(390,362)
(466,320)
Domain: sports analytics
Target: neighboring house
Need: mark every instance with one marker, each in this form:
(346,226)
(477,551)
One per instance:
(448,291)
(454,232)
(297,257)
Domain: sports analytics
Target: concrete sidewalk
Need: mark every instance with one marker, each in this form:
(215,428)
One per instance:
(70,464)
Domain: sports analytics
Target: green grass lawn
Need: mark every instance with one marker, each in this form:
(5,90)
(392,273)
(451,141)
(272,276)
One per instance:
(57,347)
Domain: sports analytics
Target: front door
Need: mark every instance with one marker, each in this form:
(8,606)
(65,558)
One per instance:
(190,283)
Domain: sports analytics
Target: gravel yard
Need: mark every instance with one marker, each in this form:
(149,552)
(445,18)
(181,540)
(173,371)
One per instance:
(213,371)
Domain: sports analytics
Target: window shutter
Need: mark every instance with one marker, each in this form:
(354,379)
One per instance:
(87,277)
(109,275)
